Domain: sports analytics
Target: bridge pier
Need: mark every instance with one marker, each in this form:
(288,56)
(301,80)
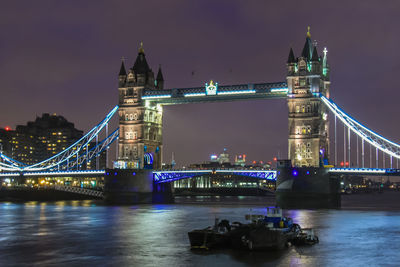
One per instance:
(134,186)
(307,187)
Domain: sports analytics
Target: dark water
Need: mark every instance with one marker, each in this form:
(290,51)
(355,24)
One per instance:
(87,233)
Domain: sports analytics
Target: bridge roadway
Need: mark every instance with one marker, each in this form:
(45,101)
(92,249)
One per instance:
(163,176)
(220,93)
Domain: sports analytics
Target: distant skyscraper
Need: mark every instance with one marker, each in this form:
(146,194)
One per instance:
(223,157)
(240,160)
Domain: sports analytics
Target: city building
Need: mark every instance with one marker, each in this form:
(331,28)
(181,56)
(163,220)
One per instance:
(5,140)
(39,139)
(240,160)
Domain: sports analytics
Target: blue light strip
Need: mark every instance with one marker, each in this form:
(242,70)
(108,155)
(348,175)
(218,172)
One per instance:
(55,173)
(11,174)
(279,90)
(236,92)
(357,170)
(155,96)
(194,94)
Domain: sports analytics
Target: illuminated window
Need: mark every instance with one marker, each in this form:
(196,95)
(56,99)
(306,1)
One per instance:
(308,110)
(134,135)
(303,109)
(303,130)
(308,129)
(135,116)
(297,109)
(126,117)
(131,117)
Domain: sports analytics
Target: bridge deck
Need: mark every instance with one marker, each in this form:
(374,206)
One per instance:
(222,93)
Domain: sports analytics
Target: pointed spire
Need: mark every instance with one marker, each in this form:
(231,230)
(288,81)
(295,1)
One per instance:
(291,57)
(160,77)
(325,58)
(315,54)
(141,49)
(141,66)
(122,71)
(307,50)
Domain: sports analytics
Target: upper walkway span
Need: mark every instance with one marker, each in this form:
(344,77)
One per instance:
(214,93)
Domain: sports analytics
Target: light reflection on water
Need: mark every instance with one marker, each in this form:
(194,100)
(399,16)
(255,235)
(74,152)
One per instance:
(77,233)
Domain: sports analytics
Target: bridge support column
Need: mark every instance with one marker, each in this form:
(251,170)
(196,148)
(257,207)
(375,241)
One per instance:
(134,186)
(306,187)
(163,193)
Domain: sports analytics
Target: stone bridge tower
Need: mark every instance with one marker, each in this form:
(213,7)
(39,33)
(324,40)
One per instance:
(307,77)
(140,121)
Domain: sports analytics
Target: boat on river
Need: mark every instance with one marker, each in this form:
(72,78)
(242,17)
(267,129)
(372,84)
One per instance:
(272,231)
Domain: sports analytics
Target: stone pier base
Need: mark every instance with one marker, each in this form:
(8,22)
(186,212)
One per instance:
(132,186)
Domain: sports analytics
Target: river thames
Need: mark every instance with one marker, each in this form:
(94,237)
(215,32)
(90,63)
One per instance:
(89,233)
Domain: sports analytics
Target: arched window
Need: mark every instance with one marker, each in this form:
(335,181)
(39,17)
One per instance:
(303,109)
(131,117)
(134,135)
(297,109)
(126,117)
(135,116)
(308,110)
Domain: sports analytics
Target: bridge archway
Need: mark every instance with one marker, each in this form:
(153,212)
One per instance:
(148,161)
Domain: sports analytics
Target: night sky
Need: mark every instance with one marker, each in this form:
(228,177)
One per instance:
(64,56)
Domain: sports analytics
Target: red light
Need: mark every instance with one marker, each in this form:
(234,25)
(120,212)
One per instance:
(254,162)
(341,164)
(275,159)
(7,128)
(347,163)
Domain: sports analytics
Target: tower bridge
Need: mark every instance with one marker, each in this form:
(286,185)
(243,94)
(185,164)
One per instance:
(140,109)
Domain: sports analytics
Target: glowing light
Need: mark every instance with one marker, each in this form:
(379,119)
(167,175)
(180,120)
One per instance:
(276,90)
(295,173)
(194,94)
(237,92)
(155,96)
(358,170)
(7,128)
(212,88)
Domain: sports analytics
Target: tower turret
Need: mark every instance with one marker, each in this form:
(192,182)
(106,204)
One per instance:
(160,79)
(122,74)
(144,76)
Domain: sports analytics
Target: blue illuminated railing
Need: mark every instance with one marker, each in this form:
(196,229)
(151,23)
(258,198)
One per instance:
(53,173)
(365,171)
(169,176)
